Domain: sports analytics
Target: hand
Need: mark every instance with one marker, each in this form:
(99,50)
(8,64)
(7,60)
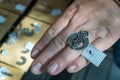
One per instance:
(101,18)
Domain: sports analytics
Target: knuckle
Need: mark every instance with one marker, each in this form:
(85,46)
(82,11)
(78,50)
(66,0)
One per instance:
(51,33)
(43,59)
(59,43)
(65,59)
(67,14)
(71,9)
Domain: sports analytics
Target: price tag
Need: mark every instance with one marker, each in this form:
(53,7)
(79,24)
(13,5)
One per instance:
(93,55)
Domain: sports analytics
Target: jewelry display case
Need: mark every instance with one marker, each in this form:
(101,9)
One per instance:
(7,19)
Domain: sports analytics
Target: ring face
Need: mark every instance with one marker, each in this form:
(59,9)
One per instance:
(78,41)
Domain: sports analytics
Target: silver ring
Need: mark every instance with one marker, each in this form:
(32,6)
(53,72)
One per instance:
(79,41)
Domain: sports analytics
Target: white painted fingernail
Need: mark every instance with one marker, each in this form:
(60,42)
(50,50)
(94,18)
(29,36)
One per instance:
(36,68)
(53,68)
(72,67)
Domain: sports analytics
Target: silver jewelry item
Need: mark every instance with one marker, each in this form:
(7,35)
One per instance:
(76,39)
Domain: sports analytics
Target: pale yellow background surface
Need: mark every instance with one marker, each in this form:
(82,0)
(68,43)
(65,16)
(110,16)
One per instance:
(11,4)
(16,48)
(42,10)
(17,73)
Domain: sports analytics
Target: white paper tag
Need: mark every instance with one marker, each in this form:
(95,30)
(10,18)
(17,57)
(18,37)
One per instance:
(2,19)
(93,55)
(29,45)
(20,7)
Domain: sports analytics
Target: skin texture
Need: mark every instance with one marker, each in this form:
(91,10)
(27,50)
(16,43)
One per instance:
(101,18)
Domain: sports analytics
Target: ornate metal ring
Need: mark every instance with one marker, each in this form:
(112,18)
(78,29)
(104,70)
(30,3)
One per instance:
(78,41)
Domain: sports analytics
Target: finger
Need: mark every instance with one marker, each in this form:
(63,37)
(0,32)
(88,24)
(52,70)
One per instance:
(81,62)
(61,61)
(77,65)
(59,25)
(103,44)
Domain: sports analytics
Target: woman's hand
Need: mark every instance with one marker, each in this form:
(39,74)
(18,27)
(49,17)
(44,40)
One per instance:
(101,18)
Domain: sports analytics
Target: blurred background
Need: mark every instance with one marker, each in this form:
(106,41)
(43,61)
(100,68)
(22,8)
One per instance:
(22,24)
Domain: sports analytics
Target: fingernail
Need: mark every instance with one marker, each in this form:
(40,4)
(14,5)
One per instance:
(72,67)
(36,68)
(34,52)
(33,63)
(53,68)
